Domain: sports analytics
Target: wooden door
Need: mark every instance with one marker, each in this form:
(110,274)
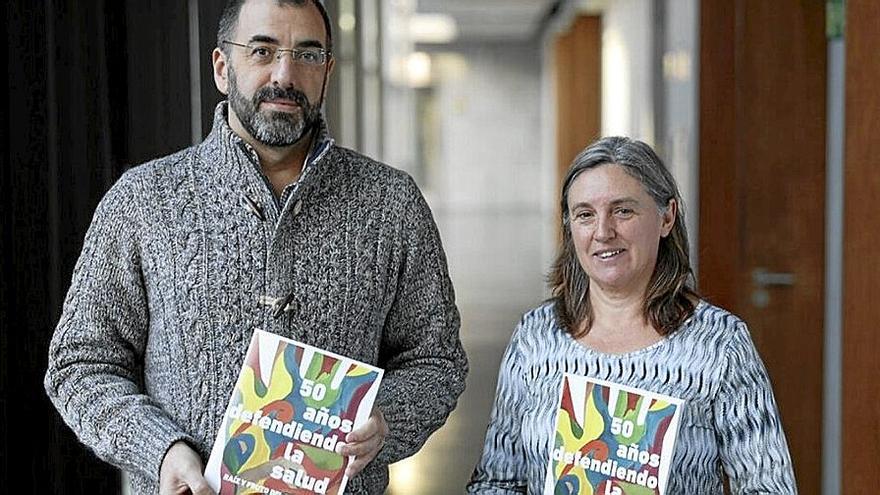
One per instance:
(861,255)
(578,77)
(762,196)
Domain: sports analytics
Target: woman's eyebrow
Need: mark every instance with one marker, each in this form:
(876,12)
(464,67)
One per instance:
(616,202)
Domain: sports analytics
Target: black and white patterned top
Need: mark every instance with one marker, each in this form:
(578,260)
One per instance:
(730,420)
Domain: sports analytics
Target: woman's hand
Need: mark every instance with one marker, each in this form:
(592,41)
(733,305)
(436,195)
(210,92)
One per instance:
(181,472)
(365,442)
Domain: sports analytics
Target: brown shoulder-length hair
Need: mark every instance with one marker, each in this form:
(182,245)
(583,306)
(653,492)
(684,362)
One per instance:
(670,296)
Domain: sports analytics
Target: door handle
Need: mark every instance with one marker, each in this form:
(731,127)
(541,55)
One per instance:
(763,278)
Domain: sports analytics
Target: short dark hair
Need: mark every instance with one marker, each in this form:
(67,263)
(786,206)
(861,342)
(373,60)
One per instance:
(229,19)
(671,292)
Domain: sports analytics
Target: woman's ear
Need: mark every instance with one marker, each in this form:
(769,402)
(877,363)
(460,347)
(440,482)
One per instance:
(668,218)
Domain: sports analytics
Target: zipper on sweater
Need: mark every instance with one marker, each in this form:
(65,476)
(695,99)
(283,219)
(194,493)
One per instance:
(255,162)
(311,162)
(307,166)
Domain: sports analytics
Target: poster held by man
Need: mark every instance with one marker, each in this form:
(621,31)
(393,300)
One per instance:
(288,418)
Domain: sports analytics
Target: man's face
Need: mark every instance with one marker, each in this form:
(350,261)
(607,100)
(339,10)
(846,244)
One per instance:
(278,102)
(268,125)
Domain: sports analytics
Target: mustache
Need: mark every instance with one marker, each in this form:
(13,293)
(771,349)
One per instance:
(274,93)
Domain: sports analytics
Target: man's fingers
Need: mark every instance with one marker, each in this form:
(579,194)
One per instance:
(196,482)
(189,481)
(358,464)
(181,472)
(365,442)
(186,482)
(200,487)
(362,448)
(368,430)
(361,436)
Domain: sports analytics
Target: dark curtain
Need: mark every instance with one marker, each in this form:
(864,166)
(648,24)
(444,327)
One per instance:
(93,86)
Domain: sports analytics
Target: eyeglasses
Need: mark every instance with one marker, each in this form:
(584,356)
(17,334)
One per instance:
(266,54)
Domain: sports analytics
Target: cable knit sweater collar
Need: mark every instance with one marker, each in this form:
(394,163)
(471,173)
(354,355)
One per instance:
(223,141)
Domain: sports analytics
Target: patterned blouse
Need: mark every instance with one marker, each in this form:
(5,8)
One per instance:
(730,421)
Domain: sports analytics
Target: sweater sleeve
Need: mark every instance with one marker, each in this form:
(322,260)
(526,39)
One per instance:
(425,364)
(95,366)
(753,449)
(502,467)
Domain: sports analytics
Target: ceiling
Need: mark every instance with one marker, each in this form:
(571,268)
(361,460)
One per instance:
(491,20)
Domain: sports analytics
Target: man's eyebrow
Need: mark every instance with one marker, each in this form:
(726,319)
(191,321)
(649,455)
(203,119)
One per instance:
(262,38)
(309,44)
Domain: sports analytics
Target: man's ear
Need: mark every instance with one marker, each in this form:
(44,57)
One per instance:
(221,71)
(330,65)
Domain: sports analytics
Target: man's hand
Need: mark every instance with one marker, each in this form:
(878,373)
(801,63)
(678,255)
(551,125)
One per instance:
(365,442)
(181,472)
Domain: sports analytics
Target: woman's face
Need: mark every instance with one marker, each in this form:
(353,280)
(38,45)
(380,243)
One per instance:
(616,228)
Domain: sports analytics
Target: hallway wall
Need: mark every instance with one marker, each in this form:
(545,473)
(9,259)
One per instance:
(627,75)
(484,181)
(488,168)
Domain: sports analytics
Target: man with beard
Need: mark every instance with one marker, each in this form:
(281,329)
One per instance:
(266,224)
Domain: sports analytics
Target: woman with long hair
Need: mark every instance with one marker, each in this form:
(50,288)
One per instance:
(624,310)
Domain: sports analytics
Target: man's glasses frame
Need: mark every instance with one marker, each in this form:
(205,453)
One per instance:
(260,53)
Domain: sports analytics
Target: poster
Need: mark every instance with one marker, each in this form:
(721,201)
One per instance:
(288,415)
(611,439)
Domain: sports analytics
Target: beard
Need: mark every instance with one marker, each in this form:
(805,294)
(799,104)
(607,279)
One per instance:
(273,128)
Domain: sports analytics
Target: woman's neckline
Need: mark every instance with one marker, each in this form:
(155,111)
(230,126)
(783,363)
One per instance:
(649,348)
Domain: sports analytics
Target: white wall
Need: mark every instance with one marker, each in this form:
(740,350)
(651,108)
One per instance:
(489,130)
(680,128)
(627,92)
(399,118)
(485,180)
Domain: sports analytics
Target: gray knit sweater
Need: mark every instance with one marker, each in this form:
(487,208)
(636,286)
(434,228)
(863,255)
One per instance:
(186,256)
